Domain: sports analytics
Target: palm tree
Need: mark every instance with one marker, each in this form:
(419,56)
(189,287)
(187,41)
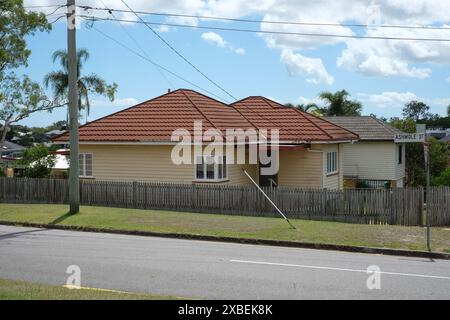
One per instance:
(310,108)
(59,81)
(339,105)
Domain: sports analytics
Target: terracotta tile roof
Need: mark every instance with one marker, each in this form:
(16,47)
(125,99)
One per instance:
(294,125)
(367,127)
(155,120)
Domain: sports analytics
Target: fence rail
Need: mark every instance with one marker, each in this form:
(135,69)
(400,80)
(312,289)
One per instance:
(397,206)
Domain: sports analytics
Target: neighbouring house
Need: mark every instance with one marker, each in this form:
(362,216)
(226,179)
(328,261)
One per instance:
(11,152)
(438,133)
(376,160)
(135,144)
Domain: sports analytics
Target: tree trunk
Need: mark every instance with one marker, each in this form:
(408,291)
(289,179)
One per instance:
(3,138)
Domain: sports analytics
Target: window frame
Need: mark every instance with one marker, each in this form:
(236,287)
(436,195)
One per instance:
(332,162)
(83,174)
(219,162)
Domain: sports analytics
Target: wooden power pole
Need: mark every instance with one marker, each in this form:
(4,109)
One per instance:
(74,183)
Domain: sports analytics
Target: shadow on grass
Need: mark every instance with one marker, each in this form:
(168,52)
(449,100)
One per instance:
(61,219)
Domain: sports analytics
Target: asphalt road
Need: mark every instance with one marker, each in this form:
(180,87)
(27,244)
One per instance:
(201,269)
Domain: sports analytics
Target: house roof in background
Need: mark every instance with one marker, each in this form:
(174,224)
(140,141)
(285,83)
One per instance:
(11,146)
(367,127)
(445,139)
(156,119)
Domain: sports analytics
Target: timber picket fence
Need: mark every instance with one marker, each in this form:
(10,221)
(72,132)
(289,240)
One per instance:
(368,206)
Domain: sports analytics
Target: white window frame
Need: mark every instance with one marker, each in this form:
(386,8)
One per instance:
(83,174)
(332,162)
(217,160)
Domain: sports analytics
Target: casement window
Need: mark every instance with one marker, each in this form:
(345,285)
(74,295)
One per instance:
(85,160)
(211,168)
(400,154)
(332,162)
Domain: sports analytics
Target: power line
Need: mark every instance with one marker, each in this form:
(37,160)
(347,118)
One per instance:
(271,32)
(179,54)
(156,64)
(272,22)
(47,6)
(138,46)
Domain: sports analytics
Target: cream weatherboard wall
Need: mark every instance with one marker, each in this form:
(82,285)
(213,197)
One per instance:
(150,164)
(308,168)
(153,163)
(377,160)
(300,168)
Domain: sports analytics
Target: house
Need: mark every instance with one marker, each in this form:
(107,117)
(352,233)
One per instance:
(136,144)
(11,151)
(376,160)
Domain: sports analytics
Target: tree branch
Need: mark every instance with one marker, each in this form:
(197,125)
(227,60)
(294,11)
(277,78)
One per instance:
(24,115)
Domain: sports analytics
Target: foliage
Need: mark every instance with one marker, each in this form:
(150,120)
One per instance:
(37,161)
(407,125)
(415,159)
(443,122)
(416,110)
(338,104)
(59,80)
(15,25)
(310,108)
(443,179)
(20,97)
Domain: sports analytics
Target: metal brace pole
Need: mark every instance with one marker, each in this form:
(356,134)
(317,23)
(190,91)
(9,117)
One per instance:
(267,197)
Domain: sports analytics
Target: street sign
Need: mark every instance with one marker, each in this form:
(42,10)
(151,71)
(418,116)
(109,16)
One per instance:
(409,137)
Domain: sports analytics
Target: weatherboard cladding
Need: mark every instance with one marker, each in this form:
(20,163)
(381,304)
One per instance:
(155,120)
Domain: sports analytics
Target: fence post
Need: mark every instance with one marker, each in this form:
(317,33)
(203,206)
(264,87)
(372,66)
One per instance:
(193,196)
(134,196)
(324,201)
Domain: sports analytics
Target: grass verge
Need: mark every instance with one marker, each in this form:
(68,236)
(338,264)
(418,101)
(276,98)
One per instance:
(377,236)
(22,290)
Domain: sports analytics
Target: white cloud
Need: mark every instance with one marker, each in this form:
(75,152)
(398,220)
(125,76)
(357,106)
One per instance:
(312,68)
(448,79)
(240,51)
(393,99)
(217,39)
(306,101)
(367,56)
(120,102)
(389,98)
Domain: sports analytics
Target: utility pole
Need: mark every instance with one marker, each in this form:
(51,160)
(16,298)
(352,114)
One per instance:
(74,183)
(427,167)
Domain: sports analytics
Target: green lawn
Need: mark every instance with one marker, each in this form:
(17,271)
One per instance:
(21,290)
(398,237)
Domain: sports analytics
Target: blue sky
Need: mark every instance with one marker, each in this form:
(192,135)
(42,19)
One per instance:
(381,74)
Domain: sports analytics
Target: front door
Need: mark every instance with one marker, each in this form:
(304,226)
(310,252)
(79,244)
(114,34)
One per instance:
(267,180)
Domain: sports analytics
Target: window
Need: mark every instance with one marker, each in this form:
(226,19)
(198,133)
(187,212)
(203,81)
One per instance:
(400,154)
(332,162)
(85,164)
(211,168)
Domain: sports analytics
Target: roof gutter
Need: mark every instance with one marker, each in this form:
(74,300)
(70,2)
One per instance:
(150,143)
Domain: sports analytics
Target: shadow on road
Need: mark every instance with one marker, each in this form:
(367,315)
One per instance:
(17,234)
